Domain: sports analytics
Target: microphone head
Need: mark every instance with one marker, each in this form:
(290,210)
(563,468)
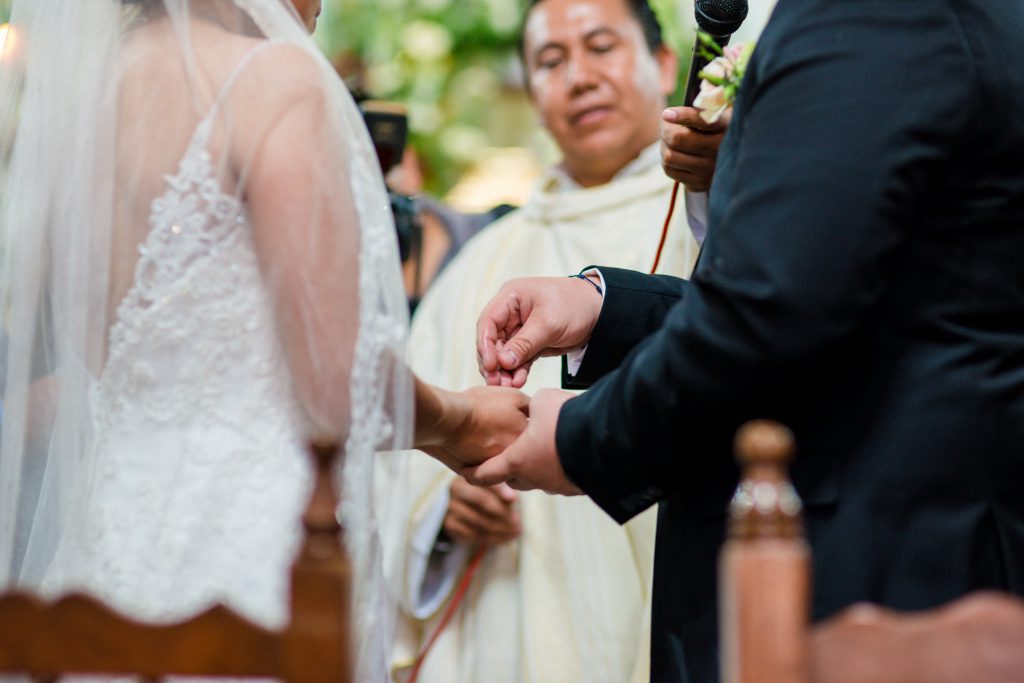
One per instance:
(720,17)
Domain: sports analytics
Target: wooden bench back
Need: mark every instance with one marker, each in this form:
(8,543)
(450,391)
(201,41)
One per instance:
(78,634)
(765,596)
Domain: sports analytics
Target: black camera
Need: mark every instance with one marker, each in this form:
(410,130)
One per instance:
(389,129)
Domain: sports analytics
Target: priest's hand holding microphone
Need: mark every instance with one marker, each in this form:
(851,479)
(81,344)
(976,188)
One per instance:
(689,144)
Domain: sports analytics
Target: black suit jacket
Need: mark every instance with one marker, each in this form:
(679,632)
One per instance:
(862,281)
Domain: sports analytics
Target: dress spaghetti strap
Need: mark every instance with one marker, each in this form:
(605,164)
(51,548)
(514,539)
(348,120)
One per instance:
(233,77)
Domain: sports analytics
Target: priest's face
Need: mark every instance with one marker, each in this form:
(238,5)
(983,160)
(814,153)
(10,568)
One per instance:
(597,86)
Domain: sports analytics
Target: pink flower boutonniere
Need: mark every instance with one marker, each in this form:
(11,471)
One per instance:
(722,76)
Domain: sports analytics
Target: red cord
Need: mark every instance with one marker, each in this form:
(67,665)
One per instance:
(460,593)
(664,230)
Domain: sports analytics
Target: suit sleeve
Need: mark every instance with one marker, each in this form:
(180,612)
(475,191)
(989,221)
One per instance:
(634,307)
(846,116)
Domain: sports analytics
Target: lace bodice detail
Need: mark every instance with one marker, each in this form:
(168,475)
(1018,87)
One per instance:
(198,432)
(197,318)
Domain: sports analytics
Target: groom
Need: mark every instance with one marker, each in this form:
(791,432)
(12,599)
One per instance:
(861,282)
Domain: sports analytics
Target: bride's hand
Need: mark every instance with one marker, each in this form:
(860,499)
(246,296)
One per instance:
(463,429)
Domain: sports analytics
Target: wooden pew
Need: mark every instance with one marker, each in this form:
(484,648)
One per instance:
(765,590)
(78,634)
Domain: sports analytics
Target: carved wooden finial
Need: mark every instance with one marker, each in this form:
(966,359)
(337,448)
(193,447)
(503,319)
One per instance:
(765,504)
(764,442)
(318,637)
(320,519)
(764,566)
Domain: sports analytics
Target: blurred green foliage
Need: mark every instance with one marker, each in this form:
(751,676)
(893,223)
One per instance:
(677,30)
(452,63)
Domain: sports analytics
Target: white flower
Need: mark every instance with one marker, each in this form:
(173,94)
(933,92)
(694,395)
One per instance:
(722,77)
(712,101)
(718,68)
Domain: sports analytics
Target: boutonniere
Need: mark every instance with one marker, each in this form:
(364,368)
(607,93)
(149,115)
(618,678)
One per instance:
(722,76)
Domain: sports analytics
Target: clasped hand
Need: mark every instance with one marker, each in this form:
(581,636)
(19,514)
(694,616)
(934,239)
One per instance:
(527,319)
(463,429)
(483,434)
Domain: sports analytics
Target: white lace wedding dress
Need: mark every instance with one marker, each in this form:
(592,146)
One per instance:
(176,339)
(199,475)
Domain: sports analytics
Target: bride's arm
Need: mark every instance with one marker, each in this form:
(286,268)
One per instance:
(467,427)
(292,159)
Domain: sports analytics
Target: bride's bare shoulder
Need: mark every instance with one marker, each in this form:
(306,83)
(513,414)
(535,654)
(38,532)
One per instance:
(272,68)
(158,52)
(282,70)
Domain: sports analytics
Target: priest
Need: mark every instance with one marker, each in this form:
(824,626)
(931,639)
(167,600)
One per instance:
(562,592)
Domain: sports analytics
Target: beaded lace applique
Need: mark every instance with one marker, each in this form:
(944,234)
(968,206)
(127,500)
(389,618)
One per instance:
(197,425)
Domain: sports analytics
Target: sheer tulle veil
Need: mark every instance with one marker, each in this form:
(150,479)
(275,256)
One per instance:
(98,100)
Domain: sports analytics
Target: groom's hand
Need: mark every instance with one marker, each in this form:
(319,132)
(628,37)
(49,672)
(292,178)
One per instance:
(533,317)
(531,462)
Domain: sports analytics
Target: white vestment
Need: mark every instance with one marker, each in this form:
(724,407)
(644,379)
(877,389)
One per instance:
(570,599)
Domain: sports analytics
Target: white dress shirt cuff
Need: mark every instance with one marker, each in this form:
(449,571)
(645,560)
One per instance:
(574,357)
(697,214)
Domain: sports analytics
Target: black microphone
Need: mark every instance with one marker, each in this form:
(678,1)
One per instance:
(719,19)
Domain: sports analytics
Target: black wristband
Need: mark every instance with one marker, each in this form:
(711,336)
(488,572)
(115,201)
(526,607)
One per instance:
(590,282)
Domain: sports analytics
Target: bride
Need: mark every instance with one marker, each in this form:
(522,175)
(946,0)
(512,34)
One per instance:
(200,275)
